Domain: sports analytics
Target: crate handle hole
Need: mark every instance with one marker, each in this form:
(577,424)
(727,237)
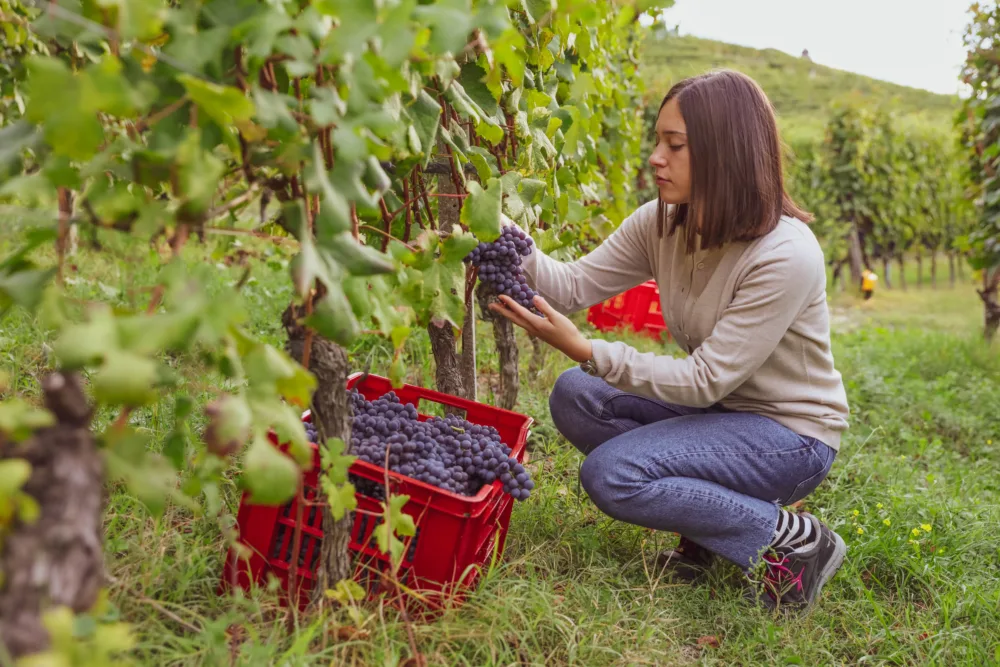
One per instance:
(432,408)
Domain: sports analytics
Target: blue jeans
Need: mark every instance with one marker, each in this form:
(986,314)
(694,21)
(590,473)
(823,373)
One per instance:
(713,475)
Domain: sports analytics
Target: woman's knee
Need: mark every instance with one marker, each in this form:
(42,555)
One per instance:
(565,393)
(606,486)
(574,407)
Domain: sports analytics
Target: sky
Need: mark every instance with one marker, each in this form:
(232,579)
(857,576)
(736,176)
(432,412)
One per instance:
(915,43)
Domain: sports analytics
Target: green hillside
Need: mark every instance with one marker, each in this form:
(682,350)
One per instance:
(801,90)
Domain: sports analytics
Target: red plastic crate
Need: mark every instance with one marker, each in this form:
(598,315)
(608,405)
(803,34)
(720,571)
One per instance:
(456,535)
(637,309)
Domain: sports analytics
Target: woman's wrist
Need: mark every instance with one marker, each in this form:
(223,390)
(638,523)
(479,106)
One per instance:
(581,351)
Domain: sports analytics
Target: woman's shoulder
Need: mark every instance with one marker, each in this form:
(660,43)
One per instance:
(792,246)
(791,233)
(646,214)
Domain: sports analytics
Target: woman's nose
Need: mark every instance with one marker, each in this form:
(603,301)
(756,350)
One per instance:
(657,159)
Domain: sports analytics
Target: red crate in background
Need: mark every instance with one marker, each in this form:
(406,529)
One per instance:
(456,535)
(637,309)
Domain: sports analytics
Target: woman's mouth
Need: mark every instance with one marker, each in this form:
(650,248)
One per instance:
(662,181)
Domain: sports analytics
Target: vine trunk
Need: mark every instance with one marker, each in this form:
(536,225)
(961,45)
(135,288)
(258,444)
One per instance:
(328,362)
(56,560)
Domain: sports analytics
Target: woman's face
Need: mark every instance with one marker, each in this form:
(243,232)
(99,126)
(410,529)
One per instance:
(670,159)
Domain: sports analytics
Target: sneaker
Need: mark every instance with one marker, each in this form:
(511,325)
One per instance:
(687,561)
(794,579)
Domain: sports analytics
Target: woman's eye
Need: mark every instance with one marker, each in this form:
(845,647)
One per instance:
(676,147)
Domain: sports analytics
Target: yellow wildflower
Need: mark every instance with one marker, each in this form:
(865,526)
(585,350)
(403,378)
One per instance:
(861,531)
(879,506)
(887,522)
(926,527)
(856,512)
(916,532)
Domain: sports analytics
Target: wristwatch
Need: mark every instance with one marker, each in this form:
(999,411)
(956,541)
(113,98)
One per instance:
(589,367)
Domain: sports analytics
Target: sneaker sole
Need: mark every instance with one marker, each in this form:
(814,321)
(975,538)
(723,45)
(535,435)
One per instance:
(839,553)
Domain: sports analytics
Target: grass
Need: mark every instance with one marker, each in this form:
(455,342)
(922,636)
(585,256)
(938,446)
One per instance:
(577,588)
(800,90)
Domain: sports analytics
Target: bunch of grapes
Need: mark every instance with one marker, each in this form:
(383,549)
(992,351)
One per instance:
(365,487)
(499,265)
(449,453)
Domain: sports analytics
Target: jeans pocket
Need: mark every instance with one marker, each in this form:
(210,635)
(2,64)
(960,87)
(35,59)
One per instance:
(823,455)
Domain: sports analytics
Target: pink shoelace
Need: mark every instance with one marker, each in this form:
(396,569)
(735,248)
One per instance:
(779,577)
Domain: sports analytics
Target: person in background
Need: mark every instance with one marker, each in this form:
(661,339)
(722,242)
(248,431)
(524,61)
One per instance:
(868,280)
(713,445)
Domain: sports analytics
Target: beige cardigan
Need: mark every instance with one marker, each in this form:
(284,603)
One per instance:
(752,317)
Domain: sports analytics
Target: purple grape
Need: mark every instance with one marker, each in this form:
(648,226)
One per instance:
(499,265)
(450,452)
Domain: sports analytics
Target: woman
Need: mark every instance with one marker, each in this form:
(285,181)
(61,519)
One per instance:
(712,445)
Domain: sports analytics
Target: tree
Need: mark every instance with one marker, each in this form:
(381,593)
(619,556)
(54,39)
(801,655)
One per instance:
(980,127)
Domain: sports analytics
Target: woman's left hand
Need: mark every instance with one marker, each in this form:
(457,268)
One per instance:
(555,328)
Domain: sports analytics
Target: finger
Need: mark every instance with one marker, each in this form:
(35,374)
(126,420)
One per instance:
(510,315)
(516,314)
(543,306)
(523,312)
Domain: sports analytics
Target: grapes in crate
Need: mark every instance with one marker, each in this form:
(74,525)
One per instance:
(499,265)
(449,453)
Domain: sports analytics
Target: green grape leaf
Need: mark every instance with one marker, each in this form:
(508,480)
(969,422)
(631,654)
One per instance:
(443,293)
(23,287)
(490,132)
(223,104)
(270,477)
(395,522)
(481,209)
(15,139)
(359,260)
(19,419)
(341,499)
(269,369)
(14,473)
(287,424)
(334,463)
(55,102)
(136,19)
(473,80)
(88,343)
(333,317)
(126,378)
(346,592)
(484,162)
(450,24)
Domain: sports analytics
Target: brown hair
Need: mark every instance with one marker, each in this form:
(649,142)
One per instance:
(737,183)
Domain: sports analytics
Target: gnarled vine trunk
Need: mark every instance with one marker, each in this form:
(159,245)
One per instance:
(467,360)
(537,356)
(58,559)
(901,259)
(503,336)
(855,257)
(951,269)
(451,369)
(328,362)
(887,274)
